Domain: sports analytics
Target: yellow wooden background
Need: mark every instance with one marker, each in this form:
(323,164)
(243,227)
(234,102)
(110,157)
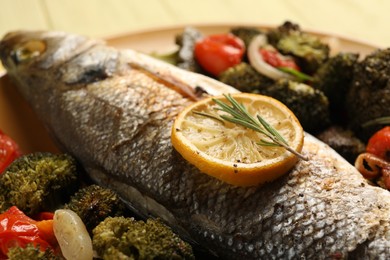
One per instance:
(368,20)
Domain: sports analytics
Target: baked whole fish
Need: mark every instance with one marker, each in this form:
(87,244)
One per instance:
(113,110)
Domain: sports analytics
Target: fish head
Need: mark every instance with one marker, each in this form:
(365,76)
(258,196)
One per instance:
(33,58)
(17,49)
(40,49)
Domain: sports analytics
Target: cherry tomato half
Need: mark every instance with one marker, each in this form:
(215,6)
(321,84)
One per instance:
(9,151)
(379,144)
(216,53)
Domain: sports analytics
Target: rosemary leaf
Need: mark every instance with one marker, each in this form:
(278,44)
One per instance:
(241,122)
(226,108)
(263,142)
(240,108)
(239,115)
(271,129)
(209,116)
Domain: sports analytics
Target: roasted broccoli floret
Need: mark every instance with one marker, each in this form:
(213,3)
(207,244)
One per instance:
(126,238)
(369,95)
(94,203)
(343,141)
(274,35)
(310,105)
(310,52)
(31,252)
(246,34)
(334,78)
(245,78)
(186,42)
(37,181)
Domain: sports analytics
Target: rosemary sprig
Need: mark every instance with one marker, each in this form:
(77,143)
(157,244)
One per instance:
(239,115)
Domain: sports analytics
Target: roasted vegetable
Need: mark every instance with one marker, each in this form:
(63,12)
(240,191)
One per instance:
(217,52)
(343,141)
(19,230)
(334,79)
(94,203)
(9,151)
(126,238)
(369,95)
(269,62)
(375,163)
(246,34)
(287,28)
(310,105)
(38,182)
(186,42)
(31,252)
(245,78)
(308,49)
(375,169)
(379,144)
(72,235)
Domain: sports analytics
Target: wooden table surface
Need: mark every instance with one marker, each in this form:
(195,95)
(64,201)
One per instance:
(367,20)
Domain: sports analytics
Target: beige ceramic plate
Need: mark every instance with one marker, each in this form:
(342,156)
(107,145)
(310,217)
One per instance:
(19,121)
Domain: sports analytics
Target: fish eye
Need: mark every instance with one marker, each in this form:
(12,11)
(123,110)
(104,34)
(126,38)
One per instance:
(28,50)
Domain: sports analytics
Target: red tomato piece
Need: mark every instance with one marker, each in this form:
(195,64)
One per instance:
(9,151)
(17,229)
(277,60)
(216,53)
(379,143)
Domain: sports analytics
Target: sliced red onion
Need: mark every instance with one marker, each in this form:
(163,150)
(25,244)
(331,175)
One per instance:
(257,61)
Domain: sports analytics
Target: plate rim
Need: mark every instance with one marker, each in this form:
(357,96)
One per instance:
(203,26)
(200,26)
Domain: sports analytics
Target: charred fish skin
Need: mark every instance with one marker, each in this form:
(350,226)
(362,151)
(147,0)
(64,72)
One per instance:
(103,106)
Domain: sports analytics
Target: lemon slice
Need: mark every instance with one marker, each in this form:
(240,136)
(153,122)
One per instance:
(231,152)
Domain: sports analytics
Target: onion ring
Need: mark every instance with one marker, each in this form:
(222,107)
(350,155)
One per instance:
(258,63)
